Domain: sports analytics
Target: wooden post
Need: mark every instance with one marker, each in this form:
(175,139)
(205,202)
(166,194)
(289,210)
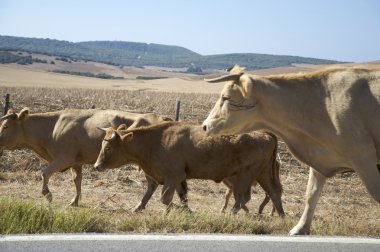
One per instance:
(177,108)
(6,104)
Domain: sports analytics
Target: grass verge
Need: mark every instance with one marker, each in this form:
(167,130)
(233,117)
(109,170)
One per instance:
(28,217)
(31,217)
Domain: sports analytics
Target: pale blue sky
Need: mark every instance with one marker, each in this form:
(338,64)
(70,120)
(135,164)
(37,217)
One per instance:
(344,30)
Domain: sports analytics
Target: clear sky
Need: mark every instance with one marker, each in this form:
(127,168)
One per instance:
(346,30)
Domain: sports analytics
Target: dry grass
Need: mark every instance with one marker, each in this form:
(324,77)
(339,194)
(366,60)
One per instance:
(345,208)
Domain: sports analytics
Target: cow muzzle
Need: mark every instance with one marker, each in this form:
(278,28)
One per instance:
(207,128)
(99,167)
(211,128)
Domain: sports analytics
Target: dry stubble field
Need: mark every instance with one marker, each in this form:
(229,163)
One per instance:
(344,208)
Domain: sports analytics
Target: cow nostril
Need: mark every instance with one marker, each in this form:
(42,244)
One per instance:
(204,127)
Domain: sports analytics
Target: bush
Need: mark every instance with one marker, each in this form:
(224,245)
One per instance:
(194,69)
(149,78)
(88,74)
(8,57)
(37,60)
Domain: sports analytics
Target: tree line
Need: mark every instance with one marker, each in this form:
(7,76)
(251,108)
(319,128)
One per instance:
(141,54)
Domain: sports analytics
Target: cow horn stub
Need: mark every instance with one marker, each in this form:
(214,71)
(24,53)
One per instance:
(102,129)
(13,116)
(229,77)
(113,137)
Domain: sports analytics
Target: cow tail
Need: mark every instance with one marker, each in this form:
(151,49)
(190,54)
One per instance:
(276,166)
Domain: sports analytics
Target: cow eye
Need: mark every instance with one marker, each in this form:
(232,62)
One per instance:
(5,127)
(107,149)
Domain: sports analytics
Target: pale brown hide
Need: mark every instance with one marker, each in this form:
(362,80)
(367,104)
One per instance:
(329,120)
(66,138)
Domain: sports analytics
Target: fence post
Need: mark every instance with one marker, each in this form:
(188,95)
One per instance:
(177,108)
(6,104)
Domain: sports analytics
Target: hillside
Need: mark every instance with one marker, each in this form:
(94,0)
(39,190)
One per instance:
(142,54)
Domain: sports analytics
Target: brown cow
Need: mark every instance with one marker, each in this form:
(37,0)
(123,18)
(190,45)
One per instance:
(66,138)
(173,152)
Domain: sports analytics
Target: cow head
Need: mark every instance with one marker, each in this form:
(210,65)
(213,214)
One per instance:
(112,154)
(11,129)
(235,105)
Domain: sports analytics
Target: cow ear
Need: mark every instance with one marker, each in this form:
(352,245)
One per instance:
(23,115)
(127,137)
(11,111)
(121,127)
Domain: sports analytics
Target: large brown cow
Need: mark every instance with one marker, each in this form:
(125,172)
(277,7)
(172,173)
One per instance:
(329,119)
(66,138)
(173,152)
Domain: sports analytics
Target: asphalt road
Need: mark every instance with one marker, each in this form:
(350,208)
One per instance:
(183,242)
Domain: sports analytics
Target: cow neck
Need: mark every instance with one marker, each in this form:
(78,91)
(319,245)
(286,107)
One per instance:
(297,96)
(38,131)
(145,140)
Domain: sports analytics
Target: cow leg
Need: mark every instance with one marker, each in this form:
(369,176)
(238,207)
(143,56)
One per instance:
(182,190)
(313,192)
(241,198)
(227,195)
(245,208)
(273,192)
(273,210)
(55,166)
(167,193)
(152,186)
(76,173)
(370,176)
(264,203)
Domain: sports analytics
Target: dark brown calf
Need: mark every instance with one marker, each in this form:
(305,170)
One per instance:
(172,152)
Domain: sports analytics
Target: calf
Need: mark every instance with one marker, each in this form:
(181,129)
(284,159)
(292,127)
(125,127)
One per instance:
(172,152)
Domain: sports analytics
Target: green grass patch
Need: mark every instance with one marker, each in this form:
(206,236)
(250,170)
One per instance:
(200,222)
(28,217)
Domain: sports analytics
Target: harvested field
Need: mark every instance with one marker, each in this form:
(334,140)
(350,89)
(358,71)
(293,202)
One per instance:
(345,208)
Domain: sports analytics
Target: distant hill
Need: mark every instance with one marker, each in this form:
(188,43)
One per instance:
(142,54)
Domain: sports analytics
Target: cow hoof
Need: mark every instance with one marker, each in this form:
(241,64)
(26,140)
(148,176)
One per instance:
(138,209)
(74,203)
(186,209)
(49,197)
(170,207)
(234,211)
(299,231)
